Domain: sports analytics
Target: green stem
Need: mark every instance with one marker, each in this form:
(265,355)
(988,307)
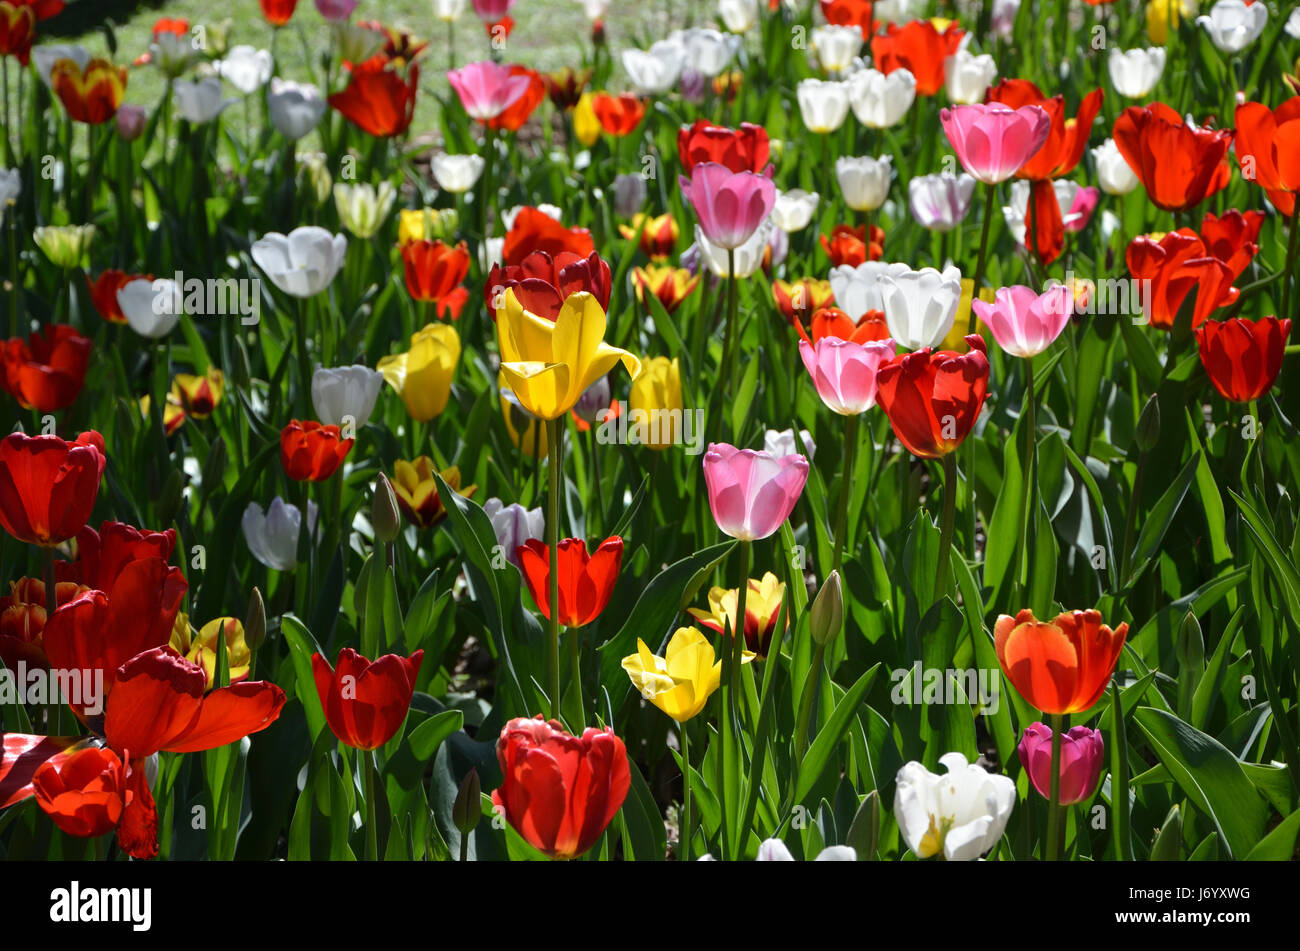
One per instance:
(574,636)
(990,195)
(372,811)
(553,545)
(1130,520)
(1292,247)
(304,360)
(1055,818)
(684,827)
(738,629)
(842,508)
(1027,473)
(946,525)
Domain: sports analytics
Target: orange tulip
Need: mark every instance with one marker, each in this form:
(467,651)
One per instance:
(1060,666)
(618,115)
(1268,150)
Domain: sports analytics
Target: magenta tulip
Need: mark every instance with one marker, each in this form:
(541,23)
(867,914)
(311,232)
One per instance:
(492,11)
(1081,759)
(729,205)
(751,493)
(844,372)
(993,141)
(1023,321)
(336,11)
(1079,213)
(487,89)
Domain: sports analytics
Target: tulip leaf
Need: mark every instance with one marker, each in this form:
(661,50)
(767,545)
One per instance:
(301,648)
(1169,839)
(823,747)
(1279,844)
(1156,522)
(425,739)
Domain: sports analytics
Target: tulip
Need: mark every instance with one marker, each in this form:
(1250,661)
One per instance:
(302,263)
(1242,358)
(558,791)
(918,47)
(850,247)
(152,308)
(48,487)
(46,371)
(434,273)
(745,149)
(629,194)
(1113,172)
(345,395)
(670,285)
(585,581)
(707,51)
(740,16)
(200,647)
(1176,265)
(199,394)
(422,375)
(542,283)
(783,443)
(940,202)
(449,10)
(657,390)
(535,230)
(47,54)
(1073,205)
(858,290)
(17,31)
(424,224)
(311,452)
(880,101)
(836,46)
(457,173)
(833,322)
(967,77)
(295,108)
(1234,24)
(1081,760)
(417,491)
(91,92)
(549,364)
(794,210)
(959,815)
(1232,238)
(763,610)
(658,235)
(920,306)
(487,89)
(681,682)
(823,104)
(199,101)
(64,245)
(801,298)
(246,68)
(844,372)
(1060,666)
(336,10)
(864,182)
(514,526)
(992,141)
(751,493)
(618,115)
(932,399)
(272,536)
(730,205)
(278,12)
(1134,73)
(366,702)
(23,613)
(103,292)
(1179,164)
(377,99)
(130,121)
(1265,149)
(656,70)
(1024,322)
(84,793)
(363,208)
(492,11)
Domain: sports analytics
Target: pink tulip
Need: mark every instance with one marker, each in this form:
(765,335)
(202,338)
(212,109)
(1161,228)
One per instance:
(130,121)
(1081,759)
(487,89)
(844,372)
(1079,213)
(1024,322)
(729,205)
(492,11)
(336,11)
(751,493)
(992,140)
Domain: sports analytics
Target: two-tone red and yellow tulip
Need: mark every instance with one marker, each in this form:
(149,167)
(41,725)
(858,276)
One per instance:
(763,612)
(417,492)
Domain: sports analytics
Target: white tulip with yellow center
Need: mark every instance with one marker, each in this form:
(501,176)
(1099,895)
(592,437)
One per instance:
(957,816)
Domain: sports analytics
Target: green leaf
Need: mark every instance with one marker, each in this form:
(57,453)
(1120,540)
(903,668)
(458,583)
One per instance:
(428,736)
(820,752)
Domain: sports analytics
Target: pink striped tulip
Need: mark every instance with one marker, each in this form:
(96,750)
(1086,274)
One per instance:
(751,493)
(992,140)
(844,372)
(1023,321)
(1082,751)
(729,205)
(487,89)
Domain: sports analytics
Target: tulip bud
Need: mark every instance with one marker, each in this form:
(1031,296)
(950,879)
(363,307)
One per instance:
(466,811)
(255,621)
(384,516)
(130,122)
(1148,427)
(1191,644)
(827,615)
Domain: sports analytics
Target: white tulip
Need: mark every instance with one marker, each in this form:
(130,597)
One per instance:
(749,256)
(1114,174)
(961,814)
(490,252)
(272,535)
(824,104)
(343,392)
(152,308)
(782,443)
(940,202)
(363,208)
(200,100)
(864,181)
(1134,73)
(1233,25)
(246,68)
(967,77)
(920,305)
(740,16)
(836,46)
(449,10)
(303,262)
(457,173)
(595,9)
(857,289)
(774,850)
(708,51)
(173,53)
(46,55)
(881,101)
(1293,24)
(296,108)
(794,209)
(656,70)
(514,525)
(1004,17)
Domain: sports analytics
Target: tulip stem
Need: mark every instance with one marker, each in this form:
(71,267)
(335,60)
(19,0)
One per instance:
(51,602)
(1130,520)
(304,361)
(946,525)
(1027,474)
(1055,817)
(738,629)
(554,434)
(1292,247)
(810,687)
(684,826)
(728,340)
(574,637)
(990,194)
(372,812)
(842,507)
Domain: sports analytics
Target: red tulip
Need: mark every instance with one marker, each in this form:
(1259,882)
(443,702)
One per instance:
(1180,165)
(918,47)
(535,230)
(378,100)
(47,370)
(742,150)
(1174,265)
(849,13)
(618,115)
(586,581)
(1243,357)
(48,487)
(1268,150)
(853,246)
(83,793)
(565,87)
(21,755)
(1232,238)
(22,620)
(542,283)
(312,452)
(278,12)
(44,9)
(932,399)
(558,791)
(518,112)
(366,703)
(434,272)
(103,292)
(17,31)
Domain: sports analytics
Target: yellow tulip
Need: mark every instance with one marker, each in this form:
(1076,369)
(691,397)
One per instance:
(681,682)
(548,365)
(424,224)
(586,127)
(658,388)
(200,647)
(1163,14)
(526,431)
(762,607)
(422,375)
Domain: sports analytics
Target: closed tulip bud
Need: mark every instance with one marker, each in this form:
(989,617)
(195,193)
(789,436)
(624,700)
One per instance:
(1191,643)
(1148,428)
(594,402)
(466,811)
(255,621)
(385,518)
(827,613)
